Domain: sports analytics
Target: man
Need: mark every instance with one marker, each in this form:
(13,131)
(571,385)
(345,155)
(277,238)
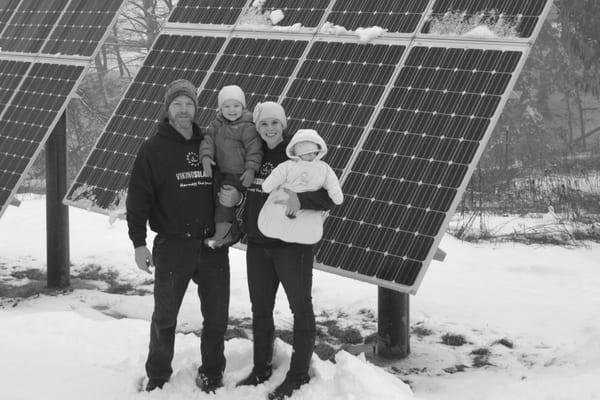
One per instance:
(169,189)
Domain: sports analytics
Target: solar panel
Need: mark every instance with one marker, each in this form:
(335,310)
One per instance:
(27,119)
(395,16)
(336,91)
(415,158)
(30,25)
(105,174)
(81,27)
(11,74)
(262,67)
(45,48)
(308,13)
(224,12)
(406,115)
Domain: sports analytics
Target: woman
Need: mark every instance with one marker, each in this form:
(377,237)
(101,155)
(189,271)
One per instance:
(273,261)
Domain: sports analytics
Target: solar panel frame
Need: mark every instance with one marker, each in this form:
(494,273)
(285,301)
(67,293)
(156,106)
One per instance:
(41,59)
(384,275)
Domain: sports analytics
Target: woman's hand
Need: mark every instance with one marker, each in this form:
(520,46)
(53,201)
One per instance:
(292,203)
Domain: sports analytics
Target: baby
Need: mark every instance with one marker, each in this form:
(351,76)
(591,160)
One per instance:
(303,172)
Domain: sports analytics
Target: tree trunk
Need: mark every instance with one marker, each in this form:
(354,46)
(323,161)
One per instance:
(101,68)
(153,27)
(120,63)
(570,123)
(581,116)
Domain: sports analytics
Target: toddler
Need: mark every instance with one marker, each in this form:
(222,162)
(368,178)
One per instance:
(232,143)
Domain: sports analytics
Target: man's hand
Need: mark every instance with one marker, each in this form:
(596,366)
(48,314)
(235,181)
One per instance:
(292,203)
(207,164)
(247,177)
(143,259)
(229,196)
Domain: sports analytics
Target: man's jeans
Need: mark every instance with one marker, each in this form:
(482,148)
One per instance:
(178,260)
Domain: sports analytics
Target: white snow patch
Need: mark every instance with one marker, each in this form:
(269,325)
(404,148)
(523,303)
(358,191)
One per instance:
(331,28)
(368,34)
(292,28)
(481,31)
(276,16)
(364,34)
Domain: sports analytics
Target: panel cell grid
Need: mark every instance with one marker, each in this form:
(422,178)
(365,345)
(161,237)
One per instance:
(31,24)
(395,16)
(106,172)
(11,74)
(81,27)
(417,155)
(26,121)
(523,14)
(308,13)
(262,68)
(7,7)
(224,12)
(337,90)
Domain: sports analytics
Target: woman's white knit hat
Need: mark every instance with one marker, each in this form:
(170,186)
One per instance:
(269,109)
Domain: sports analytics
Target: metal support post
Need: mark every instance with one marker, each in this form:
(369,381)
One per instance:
(393,324)
(57,214)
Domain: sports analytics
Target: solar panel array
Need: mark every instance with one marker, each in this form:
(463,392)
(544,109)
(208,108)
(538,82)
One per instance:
(45,48)
(406,114)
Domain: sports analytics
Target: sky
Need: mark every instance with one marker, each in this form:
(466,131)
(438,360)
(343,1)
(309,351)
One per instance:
(90,344)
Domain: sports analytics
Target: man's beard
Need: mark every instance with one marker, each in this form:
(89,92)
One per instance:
(182,120)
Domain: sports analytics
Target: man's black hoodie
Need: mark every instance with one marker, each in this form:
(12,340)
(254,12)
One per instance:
(168,188)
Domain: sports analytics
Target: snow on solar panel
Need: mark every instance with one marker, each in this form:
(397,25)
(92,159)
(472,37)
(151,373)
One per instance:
(523,14)
(395,16)
(405,110)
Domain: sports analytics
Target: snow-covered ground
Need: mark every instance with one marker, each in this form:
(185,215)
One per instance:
(530,317)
